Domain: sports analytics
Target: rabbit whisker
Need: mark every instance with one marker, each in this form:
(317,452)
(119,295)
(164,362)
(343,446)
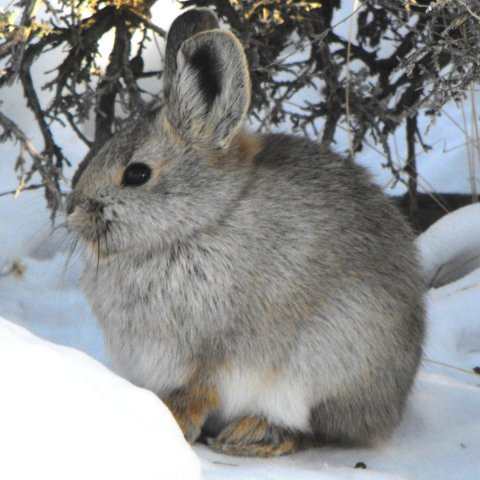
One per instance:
(97,238)
(105,237)
(71,250)
(58,227)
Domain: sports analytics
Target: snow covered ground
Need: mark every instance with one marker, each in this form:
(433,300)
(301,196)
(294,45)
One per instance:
(63,414)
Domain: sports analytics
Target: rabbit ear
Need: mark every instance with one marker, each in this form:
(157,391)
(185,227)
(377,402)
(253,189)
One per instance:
(184,27)
(210,93)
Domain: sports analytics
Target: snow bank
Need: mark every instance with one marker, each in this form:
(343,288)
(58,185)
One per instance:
(450,248)
(65,416)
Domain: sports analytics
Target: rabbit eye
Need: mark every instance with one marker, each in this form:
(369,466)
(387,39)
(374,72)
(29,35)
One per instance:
(136,174)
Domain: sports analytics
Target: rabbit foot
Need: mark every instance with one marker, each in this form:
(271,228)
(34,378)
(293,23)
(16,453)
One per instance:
(191,407)
(254,437)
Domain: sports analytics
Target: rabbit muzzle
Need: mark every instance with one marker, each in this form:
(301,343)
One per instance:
(85,218)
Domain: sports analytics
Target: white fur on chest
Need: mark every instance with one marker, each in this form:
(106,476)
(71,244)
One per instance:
(283,400)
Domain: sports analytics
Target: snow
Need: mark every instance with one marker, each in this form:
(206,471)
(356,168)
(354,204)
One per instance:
(46,301)
(451,248)
(64,414)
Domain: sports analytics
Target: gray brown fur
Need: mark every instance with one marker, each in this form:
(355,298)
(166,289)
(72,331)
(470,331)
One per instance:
(286,283)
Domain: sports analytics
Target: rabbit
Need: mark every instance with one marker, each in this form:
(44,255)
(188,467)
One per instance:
(262,286)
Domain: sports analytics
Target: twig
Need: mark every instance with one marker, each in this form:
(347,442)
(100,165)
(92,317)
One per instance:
(469,10)
(73,124)
(108,87)
(347,86)
(411,168)
(19,49)
(39,160)
(11,128)
(24,189)
(146,21)
(453,367)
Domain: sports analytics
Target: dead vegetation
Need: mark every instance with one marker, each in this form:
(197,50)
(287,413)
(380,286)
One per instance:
(370,73)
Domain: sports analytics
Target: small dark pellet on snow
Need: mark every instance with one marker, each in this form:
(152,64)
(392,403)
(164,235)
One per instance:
(476,370)
(360,465)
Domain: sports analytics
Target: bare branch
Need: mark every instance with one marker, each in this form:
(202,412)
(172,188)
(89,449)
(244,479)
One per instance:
(19,47)
(10,128)
(24,189)
(146,21)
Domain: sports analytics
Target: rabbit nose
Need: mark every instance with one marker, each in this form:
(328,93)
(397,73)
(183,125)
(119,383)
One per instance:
(92,206)
(87,204)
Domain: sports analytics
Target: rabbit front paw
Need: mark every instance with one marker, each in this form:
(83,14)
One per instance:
(254,437)
(191,407)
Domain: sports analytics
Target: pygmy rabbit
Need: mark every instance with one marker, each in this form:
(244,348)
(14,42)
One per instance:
(262,286)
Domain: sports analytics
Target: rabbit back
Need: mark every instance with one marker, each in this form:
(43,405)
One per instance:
(346,315)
